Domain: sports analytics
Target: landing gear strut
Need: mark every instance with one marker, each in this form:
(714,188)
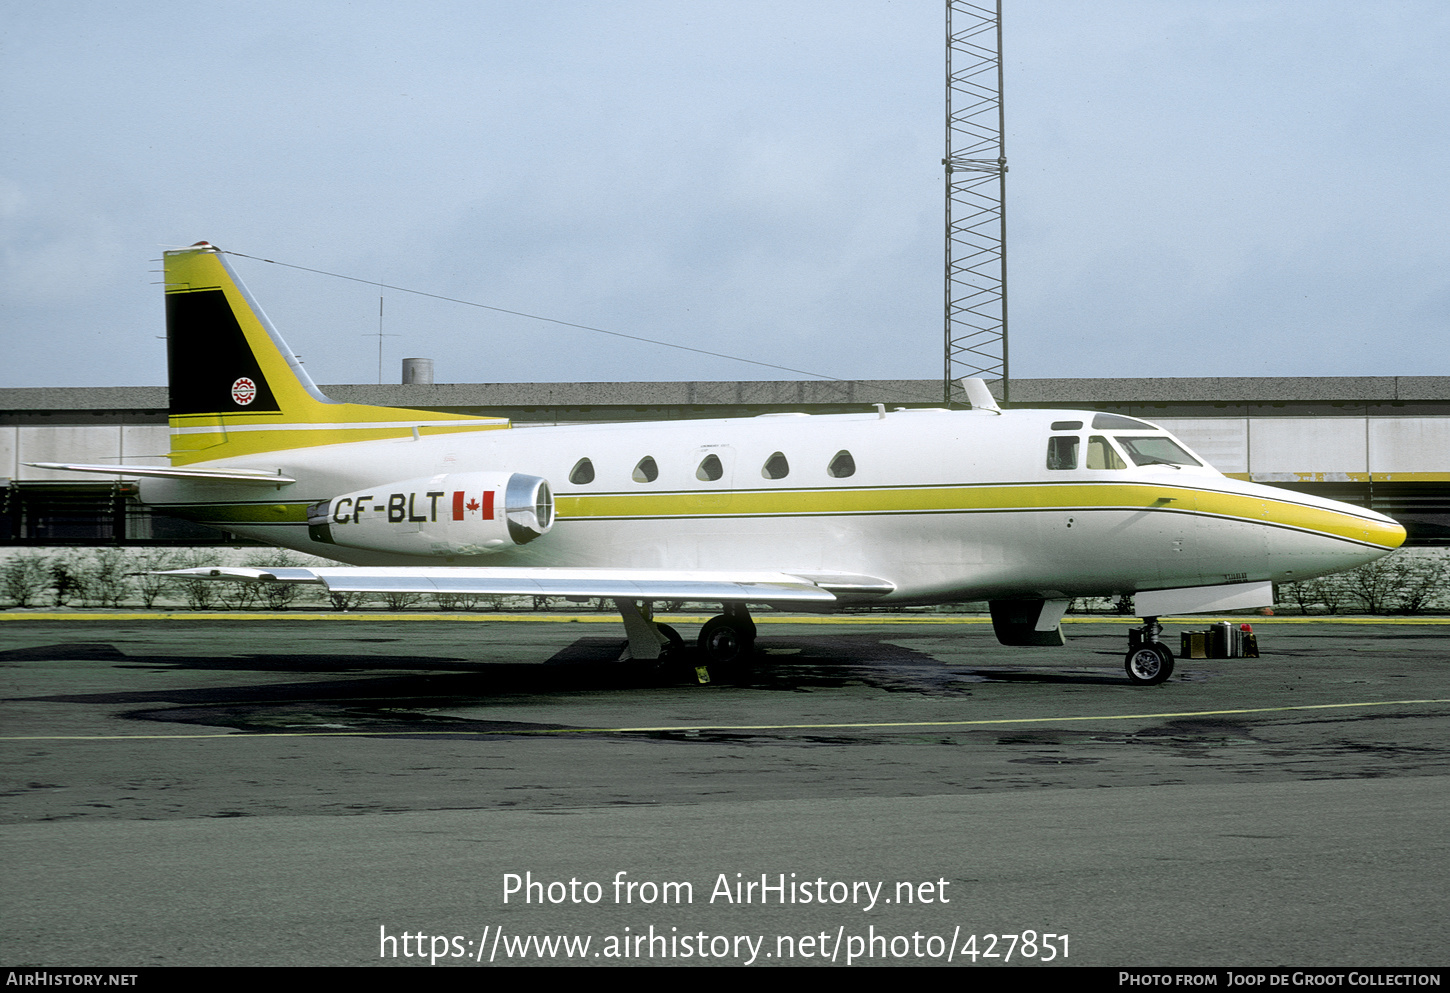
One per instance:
(648,641)
(1149,661)
(728,638)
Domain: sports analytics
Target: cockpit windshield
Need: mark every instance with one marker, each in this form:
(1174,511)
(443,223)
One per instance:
(1156,450)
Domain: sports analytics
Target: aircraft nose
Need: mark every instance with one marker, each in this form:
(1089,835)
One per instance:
(1357,536)
(1397,532)
(1381,531)
(1308,535)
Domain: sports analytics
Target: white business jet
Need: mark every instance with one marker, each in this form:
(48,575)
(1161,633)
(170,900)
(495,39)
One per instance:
(1025,509)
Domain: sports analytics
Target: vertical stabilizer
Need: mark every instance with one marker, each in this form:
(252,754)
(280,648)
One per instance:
(237,389)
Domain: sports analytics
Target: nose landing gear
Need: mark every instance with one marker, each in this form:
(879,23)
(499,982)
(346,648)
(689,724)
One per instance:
(1149,661)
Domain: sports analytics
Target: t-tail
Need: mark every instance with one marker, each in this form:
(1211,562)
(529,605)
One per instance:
(238,390)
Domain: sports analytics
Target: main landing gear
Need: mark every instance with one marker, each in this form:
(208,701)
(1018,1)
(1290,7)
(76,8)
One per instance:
(648,641)
(1149,661)
(728,638)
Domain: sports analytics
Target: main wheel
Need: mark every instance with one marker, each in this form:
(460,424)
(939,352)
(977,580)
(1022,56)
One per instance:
(723,642)
(1150,664)
(675,643)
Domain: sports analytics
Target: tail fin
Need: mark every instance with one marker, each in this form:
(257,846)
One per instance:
(237,389)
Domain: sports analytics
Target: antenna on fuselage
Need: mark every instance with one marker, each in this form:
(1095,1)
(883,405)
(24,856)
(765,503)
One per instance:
(979,396)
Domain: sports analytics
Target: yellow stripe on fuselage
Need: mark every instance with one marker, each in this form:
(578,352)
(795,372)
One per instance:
(867,501)
(1301,517)
(976,498)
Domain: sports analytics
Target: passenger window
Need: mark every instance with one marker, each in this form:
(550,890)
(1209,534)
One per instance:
(582,473)
(1062,452)
(647,471)
(1100,454)
(710,469)
(776,467)
(842,465)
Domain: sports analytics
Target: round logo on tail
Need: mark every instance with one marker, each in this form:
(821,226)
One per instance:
(244,391)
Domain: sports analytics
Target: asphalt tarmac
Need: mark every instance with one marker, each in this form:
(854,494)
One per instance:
(324,790)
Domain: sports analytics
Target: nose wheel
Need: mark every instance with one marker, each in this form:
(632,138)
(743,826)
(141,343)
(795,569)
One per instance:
(1149,665)
(1149,661)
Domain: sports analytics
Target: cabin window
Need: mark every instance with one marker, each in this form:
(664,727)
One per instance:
(710,469)
(1156,451)
(582,473)
(1062,452)
(776,467)
(1100,455)
(1067,425)
(647,471)
(842,465)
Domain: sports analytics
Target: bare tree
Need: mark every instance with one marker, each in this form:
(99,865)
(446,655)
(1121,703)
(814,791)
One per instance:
(1427,583)
(346,601)
(23,577)
(66,584)
(1330,591)
(199,594)
(1377,585)
(401,601)
(105,577)
(278,595)
(1302,594)
(146,562)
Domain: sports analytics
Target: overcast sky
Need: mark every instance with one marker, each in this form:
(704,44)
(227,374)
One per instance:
(1197,188)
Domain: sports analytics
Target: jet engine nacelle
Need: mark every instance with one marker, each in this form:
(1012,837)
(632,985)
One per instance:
(461,513)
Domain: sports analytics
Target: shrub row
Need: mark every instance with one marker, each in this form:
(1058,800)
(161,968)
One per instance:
(1402,583)
(124,577)
(1410,581)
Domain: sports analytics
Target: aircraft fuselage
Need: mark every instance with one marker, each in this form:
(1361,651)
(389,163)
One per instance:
(943,505)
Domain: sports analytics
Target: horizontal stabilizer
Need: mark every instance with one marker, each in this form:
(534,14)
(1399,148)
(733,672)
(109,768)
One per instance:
(624,584)
(258,477)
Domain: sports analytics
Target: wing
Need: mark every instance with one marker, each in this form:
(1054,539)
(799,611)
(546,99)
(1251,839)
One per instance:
(624,584)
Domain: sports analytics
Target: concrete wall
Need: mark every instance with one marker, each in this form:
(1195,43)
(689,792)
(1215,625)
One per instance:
(1323,449)
(1275,448)
(21,443)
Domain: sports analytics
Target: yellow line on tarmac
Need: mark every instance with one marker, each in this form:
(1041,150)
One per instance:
(724,727)
(299,615)
(601,617)
(610,617)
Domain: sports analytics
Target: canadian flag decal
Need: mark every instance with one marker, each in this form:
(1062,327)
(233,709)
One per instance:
(472,506)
